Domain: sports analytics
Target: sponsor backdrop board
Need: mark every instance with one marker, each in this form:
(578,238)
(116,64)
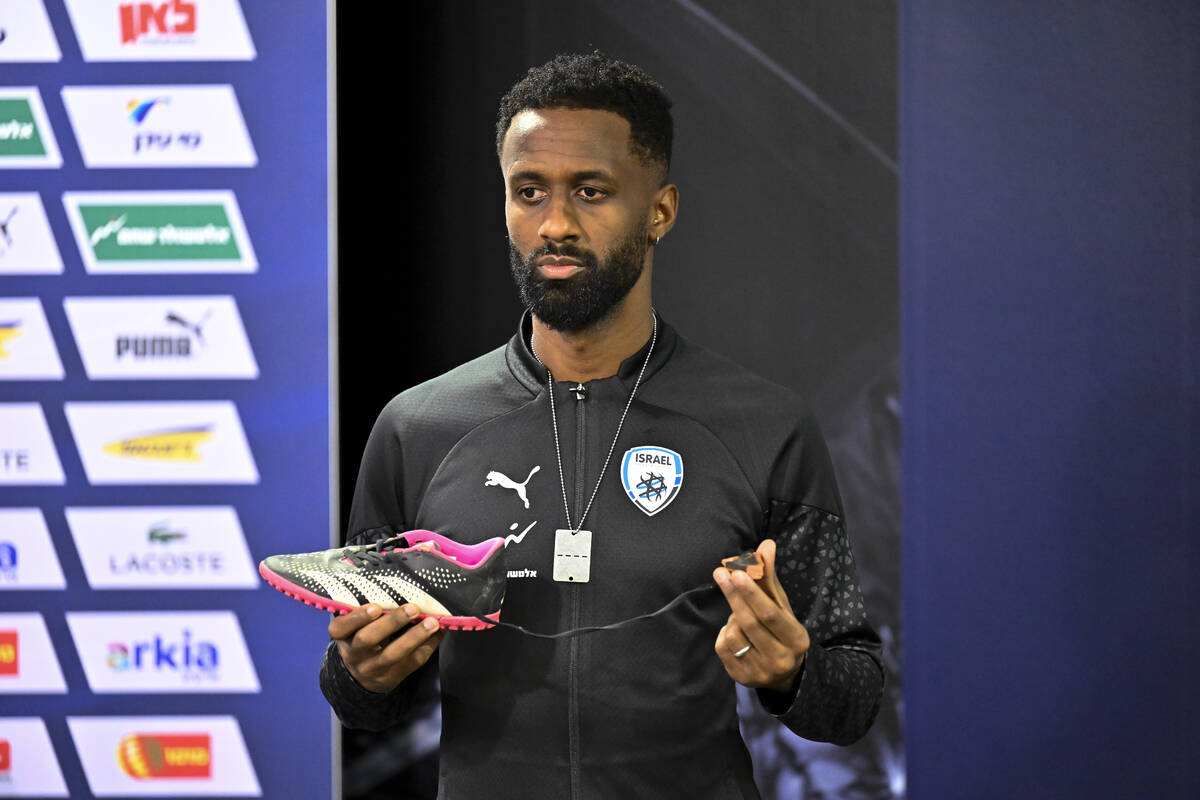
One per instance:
(164,396)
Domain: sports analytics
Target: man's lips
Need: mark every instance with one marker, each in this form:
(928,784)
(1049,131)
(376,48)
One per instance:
(558,267)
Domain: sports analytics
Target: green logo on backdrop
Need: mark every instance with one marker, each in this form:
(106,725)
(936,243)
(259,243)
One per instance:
(185,232)
(19,134)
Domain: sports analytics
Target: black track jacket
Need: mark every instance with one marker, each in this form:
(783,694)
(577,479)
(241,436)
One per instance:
(645,711)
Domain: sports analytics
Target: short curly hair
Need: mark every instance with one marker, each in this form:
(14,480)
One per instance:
(595,81)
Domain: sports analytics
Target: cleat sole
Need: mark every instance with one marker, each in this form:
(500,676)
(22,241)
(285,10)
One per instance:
(325,604)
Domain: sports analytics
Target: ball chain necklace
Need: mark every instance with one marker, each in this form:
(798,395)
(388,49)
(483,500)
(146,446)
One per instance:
(572,544)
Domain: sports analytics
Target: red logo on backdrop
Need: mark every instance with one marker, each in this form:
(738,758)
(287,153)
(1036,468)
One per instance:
(166,755)
(160,19)
(5,757)
(9,664)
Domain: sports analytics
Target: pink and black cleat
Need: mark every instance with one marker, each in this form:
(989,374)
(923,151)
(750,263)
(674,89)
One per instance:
(462,586)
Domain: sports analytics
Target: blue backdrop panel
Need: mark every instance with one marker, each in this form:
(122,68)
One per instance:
(1050,311)
(285,411)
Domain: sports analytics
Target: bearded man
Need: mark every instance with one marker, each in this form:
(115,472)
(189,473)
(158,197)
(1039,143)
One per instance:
(599,404)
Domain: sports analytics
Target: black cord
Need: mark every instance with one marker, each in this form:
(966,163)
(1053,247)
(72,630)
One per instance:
(595,628)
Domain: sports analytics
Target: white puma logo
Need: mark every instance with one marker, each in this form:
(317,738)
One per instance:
(500,479)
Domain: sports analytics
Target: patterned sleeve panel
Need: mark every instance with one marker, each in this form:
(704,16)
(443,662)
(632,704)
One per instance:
(359,708)
(842,680)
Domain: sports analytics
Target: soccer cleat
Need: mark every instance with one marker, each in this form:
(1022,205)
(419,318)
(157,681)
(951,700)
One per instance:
(461,586)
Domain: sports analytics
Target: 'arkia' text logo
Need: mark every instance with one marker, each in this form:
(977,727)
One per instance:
(166,755)
(162,652)
(159,21)
(191,659)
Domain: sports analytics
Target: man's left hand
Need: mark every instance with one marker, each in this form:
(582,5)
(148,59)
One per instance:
(762,618)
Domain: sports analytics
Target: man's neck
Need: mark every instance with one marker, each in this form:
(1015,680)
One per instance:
(598,351)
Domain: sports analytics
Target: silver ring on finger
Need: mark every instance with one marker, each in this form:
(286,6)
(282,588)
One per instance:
(742,652)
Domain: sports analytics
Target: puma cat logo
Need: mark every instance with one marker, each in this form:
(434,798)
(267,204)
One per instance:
(500,479)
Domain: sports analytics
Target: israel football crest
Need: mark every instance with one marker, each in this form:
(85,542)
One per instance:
(652,477)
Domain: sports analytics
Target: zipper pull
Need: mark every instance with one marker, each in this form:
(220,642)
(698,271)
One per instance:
(580,391)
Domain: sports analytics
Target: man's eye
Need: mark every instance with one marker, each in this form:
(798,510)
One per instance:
(530,193)
(591,193)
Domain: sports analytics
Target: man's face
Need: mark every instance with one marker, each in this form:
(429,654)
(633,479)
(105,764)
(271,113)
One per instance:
(577,204)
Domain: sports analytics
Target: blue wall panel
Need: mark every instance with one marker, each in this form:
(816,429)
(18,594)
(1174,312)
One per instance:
(1049,266)
(285,411)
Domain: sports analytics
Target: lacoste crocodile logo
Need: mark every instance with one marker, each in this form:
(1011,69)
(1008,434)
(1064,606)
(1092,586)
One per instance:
(500,479)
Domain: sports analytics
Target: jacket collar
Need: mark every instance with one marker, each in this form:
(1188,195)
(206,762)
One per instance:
(532,375)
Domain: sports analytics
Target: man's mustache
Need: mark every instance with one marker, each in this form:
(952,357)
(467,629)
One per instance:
(586,257)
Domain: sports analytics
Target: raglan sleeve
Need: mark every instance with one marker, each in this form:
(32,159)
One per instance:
(838,693)
(376,512)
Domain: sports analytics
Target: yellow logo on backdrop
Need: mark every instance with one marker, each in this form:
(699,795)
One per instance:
(174,445)
(8,330)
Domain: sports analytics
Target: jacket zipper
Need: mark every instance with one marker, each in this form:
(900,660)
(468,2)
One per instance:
(573,657)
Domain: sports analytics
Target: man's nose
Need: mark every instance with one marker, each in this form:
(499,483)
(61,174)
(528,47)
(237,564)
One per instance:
(560,223)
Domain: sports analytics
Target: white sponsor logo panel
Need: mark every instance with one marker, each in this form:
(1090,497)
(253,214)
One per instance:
(27,556)
(160,337)
(27,350)
(27,454)
(32,768)
(26,139)
(208,756)
(159,126)
(27,661)
(26,33)
(160,232)
(162,547)
(162,652)
(27,245)
(161,30)
(162,443)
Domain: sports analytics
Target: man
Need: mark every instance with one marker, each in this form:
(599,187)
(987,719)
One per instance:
(571,441)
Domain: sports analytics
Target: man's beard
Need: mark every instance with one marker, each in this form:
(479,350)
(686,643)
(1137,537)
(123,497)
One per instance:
(579,302)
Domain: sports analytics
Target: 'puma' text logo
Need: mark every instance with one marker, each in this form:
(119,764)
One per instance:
(500,479)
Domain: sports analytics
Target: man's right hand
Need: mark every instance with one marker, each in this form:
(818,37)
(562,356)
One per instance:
(379,665)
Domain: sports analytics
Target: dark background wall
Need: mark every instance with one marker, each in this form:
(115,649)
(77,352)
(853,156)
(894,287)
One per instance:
(1051,169)
(784,258)
(1050,255)
(785,252)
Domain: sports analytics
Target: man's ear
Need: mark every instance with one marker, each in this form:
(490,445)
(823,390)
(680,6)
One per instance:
(663,210)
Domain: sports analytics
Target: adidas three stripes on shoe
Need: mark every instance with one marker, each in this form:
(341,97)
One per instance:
(462,586)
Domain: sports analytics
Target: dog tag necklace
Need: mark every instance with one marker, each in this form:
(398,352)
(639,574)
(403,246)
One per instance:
(572,544)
